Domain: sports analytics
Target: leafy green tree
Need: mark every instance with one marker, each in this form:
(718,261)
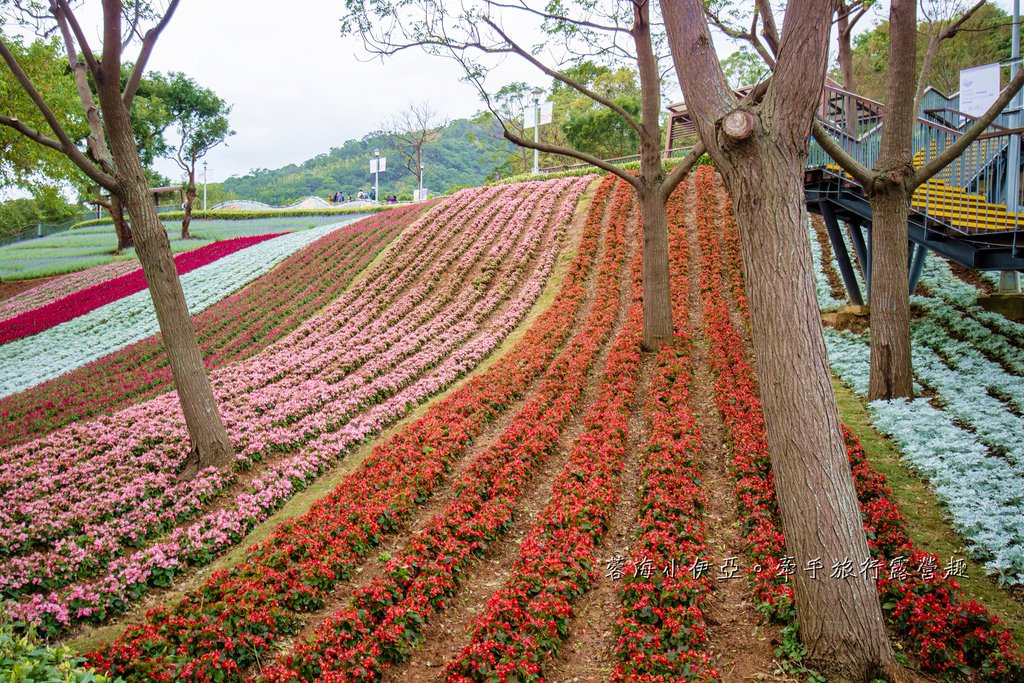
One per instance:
(744,67)
(200,119)
(983,38)
(25,164)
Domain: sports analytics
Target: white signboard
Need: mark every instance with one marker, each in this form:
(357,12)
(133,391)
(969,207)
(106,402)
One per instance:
(383,165)
(979,88)
(419,195)
(546,113)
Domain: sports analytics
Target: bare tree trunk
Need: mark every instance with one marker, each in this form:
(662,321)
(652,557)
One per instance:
(657,299)
(211,446)
(840,620)
(190,198)
(760,151)
(891,369)
(845,56)
(121,226)
(891,366)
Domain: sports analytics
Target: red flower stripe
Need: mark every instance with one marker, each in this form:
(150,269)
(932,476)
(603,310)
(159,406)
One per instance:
(527,618)
(951,636)
(234,329)
(86,300)
(385,619)
(662,632)
(218,631)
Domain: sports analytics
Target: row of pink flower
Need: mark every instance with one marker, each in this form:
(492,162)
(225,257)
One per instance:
(385,619)
(101,458)
(230,622)
(233,329)
(454,349)
(61,286)
(91,298)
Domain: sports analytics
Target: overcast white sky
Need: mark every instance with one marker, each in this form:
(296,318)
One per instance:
(298,88)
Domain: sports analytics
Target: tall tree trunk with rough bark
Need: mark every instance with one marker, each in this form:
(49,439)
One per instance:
(211,446)
(889,194)
(657,297)
(760,151)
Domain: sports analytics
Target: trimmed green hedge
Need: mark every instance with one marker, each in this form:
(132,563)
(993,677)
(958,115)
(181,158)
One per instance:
(248,215)
(704,160)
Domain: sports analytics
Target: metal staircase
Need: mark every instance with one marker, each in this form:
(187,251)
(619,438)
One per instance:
(960,213)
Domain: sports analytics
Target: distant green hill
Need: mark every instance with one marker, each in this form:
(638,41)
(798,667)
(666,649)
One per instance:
(466,154)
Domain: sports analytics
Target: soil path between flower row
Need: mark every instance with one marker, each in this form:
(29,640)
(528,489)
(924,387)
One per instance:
(89,637)
(743,643)
(449,631)
(373,564)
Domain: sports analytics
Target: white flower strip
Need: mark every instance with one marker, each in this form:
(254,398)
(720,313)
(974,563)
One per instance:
(26,362)
(984,495)
(821,285)
(985,499)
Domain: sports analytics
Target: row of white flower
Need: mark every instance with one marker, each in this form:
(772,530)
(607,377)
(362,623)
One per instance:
(821,285)
(969,449)
(26,362)
(981,493)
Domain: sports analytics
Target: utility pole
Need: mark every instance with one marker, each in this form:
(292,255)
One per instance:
(420,195)
(204,185)
(536,128)
(376,175)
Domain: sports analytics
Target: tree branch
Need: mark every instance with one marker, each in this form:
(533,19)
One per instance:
(925,173)
(682,169)
(61,7)
(770,30)
(857,170)
(600,99)
(523,7)
(933,48)
(66,146)
(148,42)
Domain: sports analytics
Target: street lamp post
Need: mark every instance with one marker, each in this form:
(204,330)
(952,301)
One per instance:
(376,176)
(204,186)
(536,128)
(420,195)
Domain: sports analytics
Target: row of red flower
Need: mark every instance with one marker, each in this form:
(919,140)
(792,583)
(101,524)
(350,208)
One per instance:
(86,300)
(385,619)
(525,620)
(224,627)
(950,635)
(235,328)
(662,632)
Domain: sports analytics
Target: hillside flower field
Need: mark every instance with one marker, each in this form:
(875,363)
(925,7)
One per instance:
(537,499)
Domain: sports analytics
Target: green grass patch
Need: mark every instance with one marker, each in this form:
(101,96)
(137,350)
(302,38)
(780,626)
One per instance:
(927,525)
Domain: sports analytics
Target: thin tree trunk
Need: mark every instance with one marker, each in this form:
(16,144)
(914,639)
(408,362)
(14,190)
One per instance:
(891,370)
(891,365)
(211,446)
(121,226)
(845,56)
(657,297)
(190,198)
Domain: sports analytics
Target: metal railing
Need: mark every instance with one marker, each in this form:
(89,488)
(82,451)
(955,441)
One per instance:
(674,153)
(971,195)
(38,230)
